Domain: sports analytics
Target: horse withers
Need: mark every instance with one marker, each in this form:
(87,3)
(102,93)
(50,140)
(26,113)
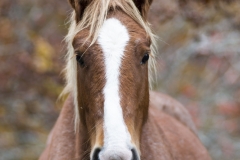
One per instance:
(110,113)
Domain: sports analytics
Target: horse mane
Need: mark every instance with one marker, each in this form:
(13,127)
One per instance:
(93,18)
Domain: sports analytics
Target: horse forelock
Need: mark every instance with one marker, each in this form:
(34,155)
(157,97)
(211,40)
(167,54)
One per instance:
(94,16)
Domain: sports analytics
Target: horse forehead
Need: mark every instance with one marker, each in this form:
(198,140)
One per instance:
(113,34)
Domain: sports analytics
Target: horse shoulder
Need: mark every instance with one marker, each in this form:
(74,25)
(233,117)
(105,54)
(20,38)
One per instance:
(183,143)
(61,140)
(166,135)
(173,108)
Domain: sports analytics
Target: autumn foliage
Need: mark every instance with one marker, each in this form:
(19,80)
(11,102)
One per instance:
(198,64)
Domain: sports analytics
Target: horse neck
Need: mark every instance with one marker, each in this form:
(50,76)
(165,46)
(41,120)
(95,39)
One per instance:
(82,142)
(64,131)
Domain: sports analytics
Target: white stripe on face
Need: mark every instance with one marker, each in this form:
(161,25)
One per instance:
(113,38)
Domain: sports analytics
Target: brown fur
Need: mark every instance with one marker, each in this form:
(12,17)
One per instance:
(91,80)
(160,127)
(172,108)
(163,136)
(90,85)
(143,7)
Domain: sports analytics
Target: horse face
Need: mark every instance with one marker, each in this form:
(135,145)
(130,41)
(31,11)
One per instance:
(113,92)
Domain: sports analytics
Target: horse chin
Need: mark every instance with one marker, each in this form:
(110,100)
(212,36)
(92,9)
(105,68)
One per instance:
(115,153)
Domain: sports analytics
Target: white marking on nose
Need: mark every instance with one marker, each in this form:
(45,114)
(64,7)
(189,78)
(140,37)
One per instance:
(113,38)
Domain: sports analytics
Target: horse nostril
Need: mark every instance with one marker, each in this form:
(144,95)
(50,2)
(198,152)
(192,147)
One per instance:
(96,154)
(134,154)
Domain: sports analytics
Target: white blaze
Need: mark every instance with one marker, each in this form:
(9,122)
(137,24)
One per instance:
(113,38)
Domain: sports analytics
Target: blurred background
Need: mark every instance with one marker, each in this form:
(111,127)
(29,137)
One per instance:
(198,64)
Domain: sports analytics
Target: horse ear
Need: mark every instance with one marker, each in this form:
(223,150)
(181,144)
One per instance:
(143,7)
(79,7)
(72,2)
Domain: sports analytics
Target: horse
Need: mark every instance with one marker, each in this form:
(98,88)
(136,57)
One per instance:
(109,113)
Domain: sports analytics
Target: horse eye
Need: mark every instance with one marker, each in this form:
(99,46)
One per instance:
(80,60)
(145,58)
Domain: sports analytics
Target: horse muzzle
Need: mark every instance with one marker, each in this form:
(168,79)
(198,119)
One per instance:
(115,154)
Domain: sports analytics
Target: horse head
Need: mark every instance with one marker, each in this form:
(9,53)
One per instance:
(110,49)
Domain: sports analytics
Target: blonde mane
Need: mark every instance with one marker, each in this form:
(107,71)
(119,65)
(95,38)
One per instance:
(93,18)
